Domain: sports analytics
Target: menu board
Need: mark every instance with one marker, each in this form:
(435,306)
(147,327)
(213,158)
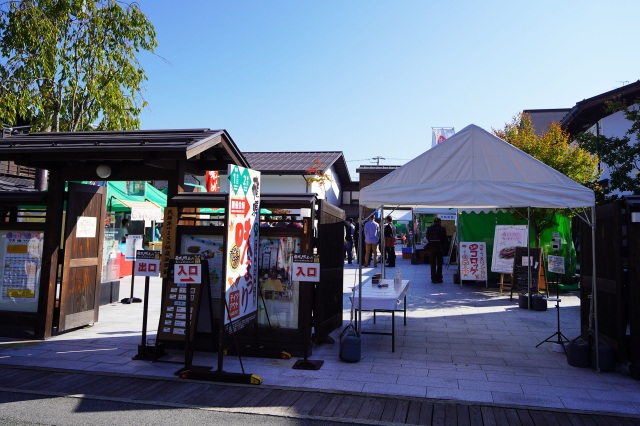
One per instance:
(180,304)
(526,259)
(507,238)
(20,267)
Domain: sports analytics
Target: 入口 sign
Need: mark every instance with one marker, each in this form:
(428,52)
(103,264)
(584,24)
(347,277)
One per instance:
(305,268)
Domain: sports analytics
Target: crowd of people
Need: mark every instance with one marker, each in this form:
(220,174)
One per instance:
(375,239)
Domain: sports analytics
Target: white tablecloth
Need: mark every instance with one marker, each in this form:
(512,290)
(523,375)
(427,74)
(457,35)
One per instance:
(374,297)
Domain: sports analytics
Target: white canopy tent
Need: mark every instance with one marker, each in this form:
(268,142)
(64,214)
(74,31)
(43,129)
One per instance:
(476,170)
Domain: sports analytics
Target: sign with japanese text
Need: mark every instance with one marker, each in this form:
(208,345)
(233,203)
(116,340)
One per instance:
(473,261)
(147,263)
(169,230)
(132,245)
(187,269)
(555,264)
(305,268)
(507,238)
(241,269)
(86,227)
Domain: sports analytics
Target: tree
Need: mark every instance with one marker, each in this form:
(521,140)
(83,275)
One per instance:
(621,155)
(70,65)
(555,150)
(318,176)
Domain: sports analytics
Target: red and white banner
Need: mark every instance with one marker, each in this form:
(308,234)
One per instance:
(441,134)
(241,271)
(212,179)
(473,261)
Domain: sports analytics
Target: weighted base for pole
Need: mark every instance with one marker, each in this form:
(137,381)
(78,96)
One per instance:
(307,364)
(129,300)
(205,373)
(150,352)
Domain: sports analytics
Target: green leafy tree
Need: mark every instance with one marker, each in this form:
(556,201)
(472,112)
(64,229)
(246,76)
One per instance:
(621,155)
(554,149)
(71,65)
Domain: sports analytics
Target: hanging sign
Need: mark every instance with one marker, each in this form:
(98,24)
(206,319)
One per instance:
(507,238)
(241,273)
(305,268)
(147,263)
(473,261)
(187,269)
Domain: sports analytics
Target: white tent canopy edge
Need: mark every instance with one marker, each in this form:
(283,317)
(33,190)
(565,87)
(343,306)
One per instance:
(474,169)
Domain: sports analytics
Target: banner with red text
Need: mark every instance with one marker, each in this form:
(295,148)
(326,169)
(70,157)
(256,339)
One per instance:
(473,261)
(212,179)
(241,290)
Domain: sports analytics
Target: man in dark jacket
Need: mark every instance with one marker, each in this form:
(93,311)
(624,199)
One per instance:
(437,238)
(390,242)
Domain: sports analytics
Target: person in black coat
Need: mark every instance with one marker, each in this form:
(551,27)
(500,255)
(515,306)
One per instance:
(437,241)
(390,242)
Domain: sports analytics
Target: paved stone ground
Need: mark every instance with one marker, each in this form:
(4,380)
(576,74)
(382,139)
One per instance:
(464,343)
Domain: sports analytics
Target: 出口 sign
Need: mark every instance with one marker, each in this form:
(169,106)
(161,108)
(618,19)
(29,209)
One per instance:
(147,263)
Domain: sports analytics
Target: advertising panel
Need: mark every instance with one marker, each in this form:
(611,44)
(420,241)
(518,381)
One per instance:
(241,273)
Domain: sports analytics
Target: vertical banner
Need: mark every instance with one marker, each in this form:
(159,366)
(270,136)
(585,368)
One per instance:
(241,272)
(441,134)
(505,241)
(473,261)
(169,230)
(212,179)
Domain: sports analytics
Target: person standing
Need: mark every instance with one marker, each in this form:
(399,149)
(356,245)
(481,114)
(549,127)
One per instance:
(124,230)
(371,239)
(349,230)
(437,239)
(390,242)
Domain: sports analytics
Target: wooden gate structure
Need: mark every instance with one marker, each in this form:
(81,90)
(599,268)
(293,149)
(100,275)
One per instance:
(139,155)
(617,249)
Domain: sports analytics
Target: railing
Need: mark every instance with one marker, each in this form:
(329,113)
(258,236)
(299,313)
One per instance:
(12,169)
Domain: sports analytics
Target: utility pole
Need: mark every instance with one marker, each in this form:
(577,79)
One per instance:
(377,159)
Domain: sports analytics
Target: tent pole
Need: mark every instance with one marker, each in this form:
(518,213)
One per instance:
(383,257)
(360,263)
(594,293)
(529,260)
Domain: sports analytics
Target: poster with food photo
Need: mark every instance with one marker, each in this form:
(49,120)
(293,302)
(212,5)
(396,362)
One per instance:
(507,238)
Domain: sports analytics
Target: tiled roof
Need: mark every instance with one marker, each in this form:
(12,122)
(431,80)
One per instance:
(588,112)
(13,184)
(297,163)
(45,150)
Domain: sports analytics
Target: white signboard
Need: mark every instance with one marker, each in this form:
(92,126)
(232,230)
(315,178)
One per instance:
(187,269)
(147,263)
(555,264)
(86,227)
(304,268)
(473,261)
(506,239)
(132,245)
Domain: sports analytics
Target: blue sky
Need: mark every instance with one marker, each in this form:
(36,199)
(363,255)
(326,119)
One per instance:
(370,77)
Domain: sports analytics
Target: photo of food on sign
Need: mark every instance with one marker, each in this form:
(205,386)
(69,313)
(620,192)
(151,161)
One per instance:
(210,248)
(507,253)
